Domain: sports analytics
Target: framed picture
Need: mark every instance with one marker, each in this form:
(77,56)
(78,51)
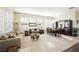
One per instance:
(32,24)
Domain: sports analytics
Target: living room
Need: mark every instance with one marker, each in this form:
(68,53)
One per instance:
(39,29)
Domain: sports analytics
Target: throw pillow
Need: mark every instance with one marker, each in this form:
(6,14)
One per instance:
(3,37)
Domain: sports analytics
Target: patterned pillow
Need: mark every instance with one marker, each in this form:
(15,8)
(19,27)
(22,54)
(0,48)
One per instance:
(0,38)
(11,35)
(3,37)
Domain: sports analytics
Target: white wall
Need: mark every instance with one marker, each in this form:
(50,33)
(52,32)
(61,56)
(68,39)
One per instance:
(1,21)
(6,20)
(77,18)
(29,18)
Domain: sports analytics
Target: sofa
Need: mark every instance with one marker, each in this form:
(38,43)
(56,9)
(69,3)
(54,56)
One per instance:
(5,45)
(9,42)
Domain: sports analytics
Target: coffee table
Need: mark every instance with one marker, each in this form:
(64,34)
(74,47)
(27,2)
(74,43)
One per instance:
(35,36)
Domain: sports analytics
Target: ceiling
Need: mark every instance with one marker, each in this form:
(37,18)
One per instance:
(44,11)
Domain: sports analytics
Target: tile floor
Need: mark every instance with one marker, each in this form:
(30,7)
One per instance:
(46,43)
